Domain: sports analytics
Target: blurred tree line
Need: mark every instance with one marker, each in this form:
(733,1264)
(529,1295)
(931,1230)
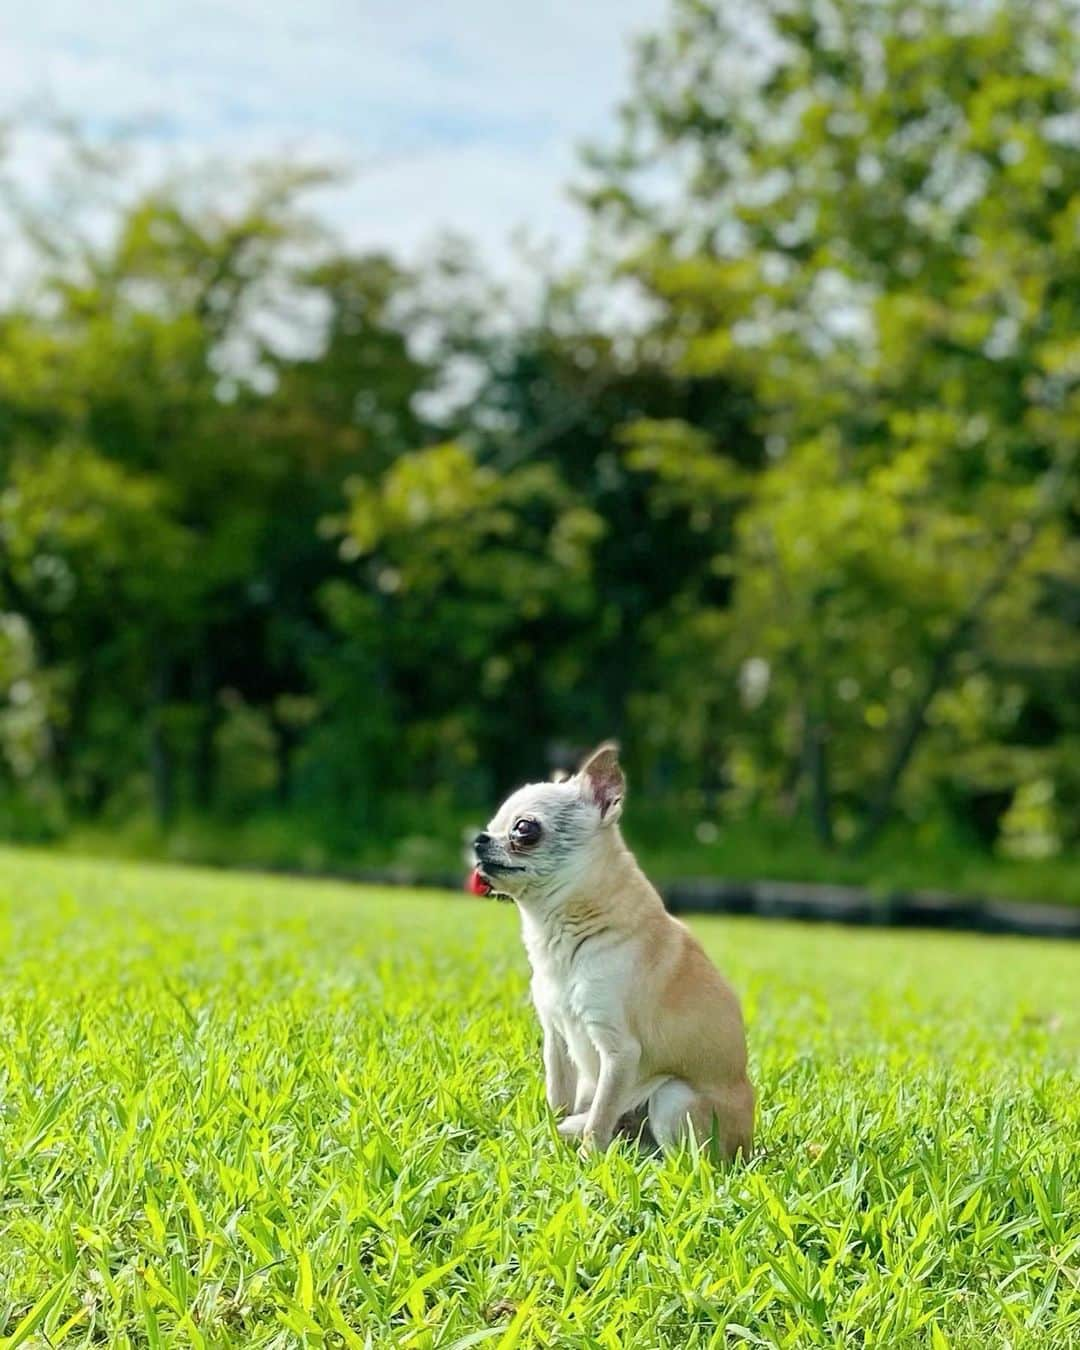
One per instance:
(283,526)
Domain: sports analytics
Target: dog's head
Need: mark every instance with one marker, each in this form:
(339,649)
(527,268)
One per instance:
(546,834)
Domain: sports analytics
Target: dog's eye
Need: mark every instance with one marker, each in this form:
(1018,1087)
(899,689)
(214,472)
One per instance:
(525,831)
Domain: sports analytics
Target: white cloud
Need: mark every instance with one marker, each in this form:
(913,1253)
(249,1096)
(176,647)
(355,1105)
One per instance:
(461,115)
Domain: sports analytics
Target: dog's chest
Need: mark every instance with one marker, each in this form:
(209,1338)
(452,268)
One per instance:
(574,986)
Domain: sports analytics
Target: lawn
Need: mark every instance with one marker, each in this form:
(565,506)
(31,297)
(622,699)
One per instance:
(239,1111)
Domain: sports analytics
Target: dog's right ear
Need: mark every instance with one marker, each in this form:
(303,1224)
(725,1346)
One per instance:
(603,782)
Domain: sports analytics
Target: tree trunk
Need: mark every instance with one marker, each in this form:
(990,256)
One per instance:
(816,750)
(205,766)
(284,747)
(790,789)
(881,804)
(159,753)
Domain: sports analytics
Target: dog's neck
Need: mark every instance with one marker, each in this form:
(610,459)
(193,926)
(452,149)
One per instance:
(603,881)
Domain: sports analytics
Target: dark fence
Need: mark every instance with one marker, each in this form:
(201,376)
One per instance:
(859,905)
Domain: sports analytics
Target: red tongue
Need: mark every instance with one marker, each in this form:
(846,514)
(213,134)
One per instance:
(477,885)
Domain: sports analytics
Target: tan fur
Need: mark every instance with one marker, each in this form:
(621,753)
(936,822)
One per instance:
(633,1010)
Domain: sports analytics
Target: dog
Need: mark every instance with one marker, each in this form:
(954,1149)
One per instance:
(635,1016)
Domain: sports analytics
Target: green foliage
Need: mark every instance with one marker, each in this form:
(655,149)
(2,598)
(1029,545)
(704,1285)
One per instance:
(257,1113)
(465,567)
(25,713)
(167,467)
(285,528)
(82,533)
(874,230)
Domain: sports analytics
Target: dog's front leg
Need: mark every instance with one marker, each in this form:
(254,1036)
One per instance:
(573,1125)
(586,1091)
(619,1058)
(559,1072)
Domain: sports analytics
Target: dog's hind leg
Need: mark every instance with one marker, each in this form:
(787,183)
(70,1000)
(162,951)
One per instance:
(726,1113)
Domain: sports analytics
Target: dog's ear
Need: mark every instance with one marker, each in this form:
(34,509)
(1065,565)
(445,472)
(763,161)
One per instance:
(603,782)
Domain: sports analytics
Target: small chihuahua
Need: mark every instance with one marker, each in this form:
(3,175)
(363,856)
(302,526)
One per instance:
(634,1013)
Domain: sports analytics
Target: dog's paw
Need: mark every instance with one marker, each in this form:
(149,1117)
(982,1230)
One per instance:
(573,1126)
(591,1143)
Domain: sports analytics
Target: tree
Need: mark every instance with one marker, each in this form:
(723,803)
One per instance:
(872,226)
(465,570)
(554,389)
(171,453)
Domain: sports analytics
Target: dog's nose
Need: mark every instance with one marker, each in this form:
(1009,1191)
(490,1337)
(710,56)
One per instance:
(481,840)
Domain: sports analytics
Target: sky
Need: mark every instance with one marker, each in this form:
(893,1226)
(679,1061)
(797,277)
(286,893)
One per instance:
(464,115)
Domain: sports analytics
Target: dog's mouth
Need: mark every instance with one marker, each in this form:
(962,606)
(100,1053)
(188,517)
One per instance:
(483,879)
(477,883)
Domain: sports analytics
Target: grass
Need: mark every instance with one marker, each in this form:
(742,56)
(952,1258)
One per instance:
(239,1111)
(933,856)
